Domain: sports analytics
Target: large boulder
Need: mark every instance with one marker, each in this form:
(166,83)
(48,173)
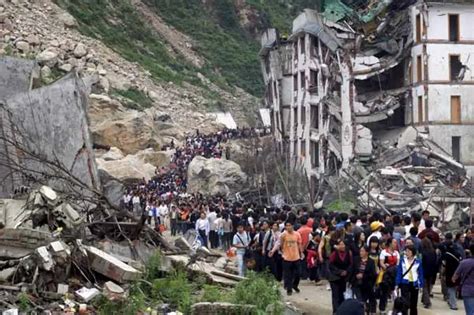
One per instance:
(215,176)
(130,168)
(156,158)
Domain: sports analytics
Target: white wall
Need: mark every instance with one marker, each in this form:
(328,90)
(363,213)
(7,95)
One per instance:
(438,60)
(439,102)
(438,21)
(442,136)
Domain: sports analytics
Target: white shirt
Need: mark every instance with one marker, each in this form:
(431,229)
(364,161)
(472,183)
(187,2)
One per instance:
(212,216)
(136,200)
(163,210)
(203,224)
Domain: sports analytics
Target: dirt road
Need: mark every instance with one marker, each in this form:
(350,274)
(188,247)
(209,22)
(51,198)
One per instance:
(317,300)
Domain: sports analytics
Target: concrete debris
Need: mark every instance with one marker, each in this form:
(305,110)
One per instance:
(113,291)
(86,294)
(110,266)
(415,178)
(49,247)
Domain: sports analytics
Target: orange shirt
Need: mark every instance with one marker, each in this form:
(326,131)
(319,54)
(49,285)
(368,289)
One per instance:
(290,245)
(305,231)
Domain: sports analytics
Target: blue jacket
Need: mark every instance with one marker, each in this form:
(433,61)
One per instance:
(403,267)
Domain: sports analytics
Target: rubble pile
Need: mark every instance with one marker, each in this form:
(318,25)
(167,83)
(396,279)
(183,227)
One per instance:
(49,255)
(417,177)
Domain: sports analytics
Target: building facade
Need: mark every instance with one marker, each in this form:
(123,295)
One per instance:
(442,76)
(356,83)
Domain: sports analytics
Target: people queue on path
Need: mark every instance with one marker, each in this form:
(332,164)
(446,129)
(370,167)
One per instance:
(365,257)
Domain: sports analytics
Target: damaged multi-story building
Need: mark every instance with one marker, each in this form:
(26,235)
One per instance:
(355,75)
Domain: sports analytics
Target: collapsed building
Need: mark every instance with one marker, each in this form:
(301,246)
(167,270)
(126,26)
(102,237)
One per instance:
(357,77)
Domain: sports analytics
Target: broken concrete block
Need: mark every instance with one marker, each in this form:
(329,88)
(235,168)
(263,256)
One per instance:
(49,194)
(12,311)
(110,266)
(6,274)
(46,258)
(70,216)
(62,288)
(182,244)
(86,294)
(60,246)
(113,291)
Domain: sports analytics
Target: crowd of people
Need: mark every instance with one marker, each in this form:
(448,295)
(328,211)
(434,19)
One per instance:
(364,257)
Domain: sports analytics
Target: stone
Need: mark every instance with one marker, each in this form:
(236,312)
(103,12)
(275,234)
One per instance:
(55,125)
(104,84)
(80,50)
(182,244)
(63,288)
(66,67)
(23,46)
(113,154)
(110,266)
(67,19)
(113,291)
(112,188)
(6,274)
(48,58)
(33,39)
(157,159)
(129,168)
(215,176)
(129,131)
(86,294)
(49,194)
(3,17)
(54,43)
(45,72)
(118,82)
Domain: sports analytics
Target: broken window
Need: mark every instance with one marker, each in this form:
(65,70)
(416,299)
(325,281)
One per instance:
(314,154)
(303,148)
(419,69)
(418,28)
(295,49)
(295,82)
(314,117)
(303,116)
(453,27)
(302,47)
(455,109)
(314,47)
(455,67)
(456,148)
(313,81)
(420,109)
(269,93)
(303,79)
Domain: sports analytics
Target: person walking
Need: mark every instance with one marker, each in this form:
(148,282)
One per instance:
(363,280)
(388,260)
(274,255)
(203,228)
(450,260)
(410,278)
(228,229)
(465,275)
(429,260)
(340,270)
(174,215)
(242,242)
(292,252)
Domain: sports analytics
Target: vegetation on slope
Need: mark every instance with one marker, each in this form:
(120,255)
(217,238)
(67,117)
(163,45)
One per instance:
(230,51)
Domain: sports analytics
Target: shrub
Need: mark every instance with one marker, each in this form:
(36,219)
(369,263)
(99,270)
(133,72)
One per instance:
(262,286)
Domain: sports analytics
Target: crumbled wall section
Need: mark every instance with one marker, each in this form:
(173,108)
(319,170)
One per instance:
(52,122)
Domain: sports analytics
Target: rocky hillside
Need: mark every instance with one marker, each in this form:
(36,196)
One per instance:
(157,66)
